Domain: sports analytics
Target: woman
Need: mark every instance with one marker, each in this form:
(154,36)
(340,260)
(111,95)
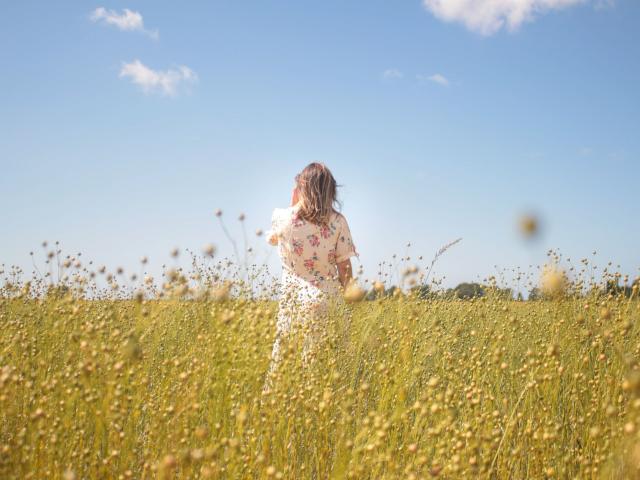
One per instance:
(315,247)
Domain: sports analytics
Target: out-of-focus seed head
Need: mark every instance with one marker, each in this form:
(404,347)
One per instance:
(221,293)
(353,292)
(529,225)
(553,281)
(209,250)
(69,474)
(169,462)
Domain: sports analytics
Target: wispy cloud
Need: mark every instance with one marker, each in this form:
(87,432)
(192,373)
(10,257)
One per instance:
(489,16)
(392,74)
(168,82)
(585,151)
(127,20)
(435,78)
(604,4)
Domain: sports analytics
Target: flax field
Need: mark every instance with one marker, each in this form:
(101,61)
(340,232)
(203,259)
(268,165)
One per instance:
(404,386)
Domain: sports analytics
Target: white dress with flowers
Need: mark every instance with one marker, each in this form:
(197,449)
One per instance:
(309,254)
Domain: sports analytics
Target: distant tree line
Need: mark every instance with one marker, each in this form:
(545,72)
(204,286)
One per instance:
(611,287)
(614,288)
(469,290)
(462,291)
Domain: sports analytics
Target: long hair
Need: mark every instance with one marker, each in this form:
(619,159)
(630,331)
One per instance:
(317,192)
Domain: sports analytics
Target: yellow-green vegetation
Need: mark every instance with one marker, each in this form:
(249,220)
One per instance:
(403,388)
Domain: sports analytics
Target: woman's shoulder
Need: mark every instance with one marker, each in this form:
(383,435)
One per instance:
(282,216)
(281,212)
(338,217)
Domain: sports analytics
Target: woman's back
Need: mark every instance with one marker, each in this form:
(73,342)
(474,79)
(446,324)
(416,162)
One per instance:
(312,251)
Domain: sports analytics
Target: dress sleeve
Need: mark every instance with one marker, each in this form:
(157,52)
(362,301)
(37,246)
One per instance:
(276,221)
(344,248)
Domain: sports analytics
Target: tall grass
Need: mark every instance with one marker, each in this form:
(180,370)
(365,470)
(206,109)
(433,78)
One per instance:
(402,387)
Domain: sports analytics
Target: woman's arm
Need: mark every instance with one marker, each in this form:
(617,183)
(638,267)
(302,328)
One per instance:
(345,273)
(295,197)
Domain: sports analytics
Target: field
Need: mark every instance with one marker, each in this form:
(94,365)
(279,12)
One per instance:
(403,388)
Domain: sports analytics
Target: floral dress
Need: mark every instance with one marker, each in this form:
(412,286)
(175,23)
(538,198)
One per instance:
(309,254)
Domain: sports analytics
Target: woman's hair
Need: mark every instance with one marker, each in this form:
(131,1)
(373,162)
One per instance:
(317,193)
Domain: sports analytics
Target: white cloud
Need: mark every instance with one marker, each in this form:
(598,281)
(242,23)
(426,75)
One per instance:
(126,21)
(166,82)
(392,74)
(435,78)
(488,16)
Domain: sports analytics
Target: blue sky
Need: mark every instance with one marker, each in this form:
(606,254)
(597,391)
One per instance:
(120,135)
